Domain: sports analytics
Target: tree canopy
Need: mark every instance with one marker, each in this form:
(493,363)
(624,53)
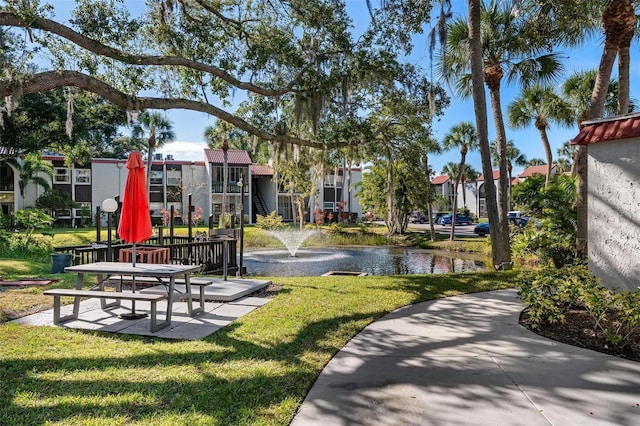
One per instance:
(200,54)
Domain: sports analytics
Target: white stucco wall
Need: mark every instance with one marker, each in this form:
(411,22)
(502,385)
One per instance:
(614,212)
(107,181)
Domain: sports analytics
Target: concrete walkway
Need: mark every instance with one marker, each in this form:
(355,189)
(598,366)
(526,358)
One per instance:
(465,360)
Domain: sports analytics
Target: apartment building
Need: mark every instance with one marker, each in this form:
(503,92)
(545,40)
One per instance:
(250,186)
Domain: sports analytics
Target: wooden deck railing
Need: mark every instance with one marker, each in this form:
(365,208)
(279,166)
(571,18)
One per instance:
(207,253)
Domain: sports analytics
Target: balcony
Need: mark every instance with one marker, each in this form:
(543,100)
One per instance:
(232,188)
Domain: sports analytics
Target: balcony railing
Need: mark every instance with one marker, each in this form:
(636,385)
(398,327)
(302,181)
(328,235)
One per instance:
(232,188)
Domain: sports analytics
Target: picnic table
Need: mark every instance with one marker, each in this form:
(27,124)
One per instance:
(165,274)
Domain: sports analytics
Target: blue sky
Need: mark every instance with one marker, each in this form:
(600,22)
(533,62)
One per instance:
(189,126)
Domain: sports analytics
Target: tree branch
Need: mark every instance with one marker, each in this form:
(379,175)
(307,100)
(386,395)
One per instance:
(13,20)
(49,80)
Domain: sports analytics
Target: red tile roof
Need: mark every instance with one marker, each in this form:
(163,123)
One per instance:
(496,175)
(234,157)
(261,170)
(535,170)
(439,180)
(609,129)
(53,157)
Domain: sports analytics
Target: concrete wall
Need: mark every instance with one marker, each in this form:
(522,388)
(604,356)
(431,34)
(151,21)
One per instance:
(614,213)
(107,181)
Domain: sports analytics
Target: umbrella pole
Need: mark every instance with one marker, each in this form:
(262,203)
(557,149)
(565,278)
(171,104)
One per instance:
(133,315)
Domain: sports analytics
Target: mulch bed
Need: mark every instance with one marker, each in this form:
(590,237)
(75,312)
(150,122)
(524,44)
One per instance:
(270,291)
(578,330)
(24,283)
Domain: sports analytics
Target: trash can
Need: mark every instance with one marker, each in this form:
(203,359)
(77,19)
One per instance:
(59,261)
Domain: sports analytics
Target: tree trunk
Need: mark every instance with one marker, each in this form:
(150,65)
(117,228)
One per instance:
(624,62)
(390,196)
(452,236)
(503,188)
(152,147)
(547,153)
(301,212)
(430,194)
(619,21)
(480,110)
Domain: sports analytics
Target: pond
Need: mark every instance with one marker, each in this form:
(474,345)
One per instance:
(372,260)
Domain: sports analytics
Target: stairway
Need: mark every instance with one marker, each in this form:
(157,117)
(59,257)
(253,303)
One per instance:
(258,205)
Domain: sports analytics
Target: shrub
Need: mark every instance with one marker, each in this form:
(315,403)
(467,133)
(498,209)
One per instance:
(547,242)
(270,222)
(21,246)
(34,220)
(335,228)
(551,292)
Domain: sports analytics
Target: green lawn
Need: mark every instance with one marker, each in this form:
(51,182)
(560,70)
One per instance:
(255,371)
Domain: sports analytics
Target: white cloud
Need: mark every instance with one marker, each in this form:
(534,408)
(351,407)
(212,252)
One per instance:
(184,151)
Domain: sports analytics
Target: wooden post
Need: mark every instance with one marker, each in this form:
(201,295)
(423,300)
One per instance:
(116,214)
(190,210)
(172,210)
(160,236)
(98,224)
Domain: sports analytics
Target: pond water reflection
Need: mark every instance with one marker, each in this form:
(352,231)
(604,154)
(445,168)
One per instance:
(372,260)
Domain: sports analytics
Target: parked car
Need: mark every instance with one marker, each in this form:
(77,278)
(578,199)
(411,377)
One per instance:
(520,222)
(461,219)
(437,217)
(423,218)
(481,229)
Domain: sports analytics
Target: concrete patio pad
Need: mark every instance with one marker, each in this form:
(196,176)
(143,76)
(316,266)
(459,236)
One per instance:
(183,327)
(218,289)
(465,360)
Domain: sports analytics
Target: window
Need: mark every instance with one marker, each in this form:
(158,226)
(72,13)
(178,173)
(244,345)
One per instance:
(328,206)
(174,177)
(62,213)
(61,175)
(285,208)
(233,176)
(157,177)
(6,178)
(331,181)
(82,208)
(82,176)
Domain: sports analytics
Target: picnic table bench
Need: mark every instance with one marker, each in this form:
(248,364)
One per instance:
(107,271)
(154,298)
(201,283)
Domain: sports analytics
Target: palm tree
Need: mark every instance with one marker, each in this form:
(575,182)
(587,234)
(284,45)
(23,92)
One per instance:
(514,156)
(567,158)
(158,131)
(577,90)
(464,137)
(505,51)
(542,106)
(452,170)
(500,251)
(468,174)
(30,170)
(534,162)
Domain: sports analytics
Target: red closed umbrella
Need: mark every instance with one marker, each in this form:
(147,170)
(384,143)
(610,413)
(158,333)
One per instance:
(135,221)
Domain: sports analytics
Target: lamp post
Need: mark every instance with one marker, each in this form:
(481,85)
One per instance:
(241,185)
(109,205)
